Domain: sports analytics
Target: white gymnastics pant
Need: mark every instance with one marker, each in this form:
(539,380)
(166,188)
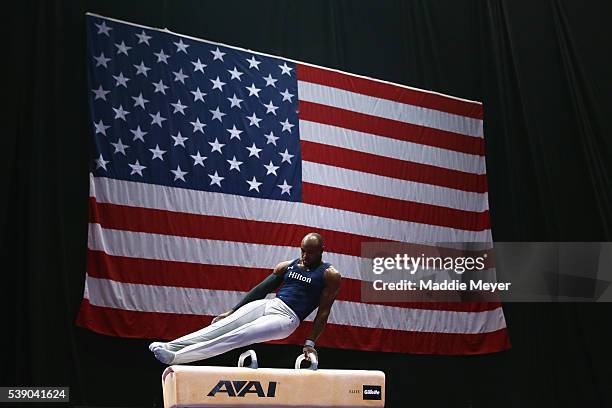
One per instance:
(255,322)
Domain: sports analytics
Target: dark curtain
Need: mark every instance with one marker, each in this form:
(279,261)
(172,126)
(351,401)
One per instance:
(542,69)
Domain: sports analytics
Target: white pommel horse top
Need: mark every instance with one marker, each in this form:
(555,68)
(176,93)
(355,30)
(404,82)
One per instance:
(208,386)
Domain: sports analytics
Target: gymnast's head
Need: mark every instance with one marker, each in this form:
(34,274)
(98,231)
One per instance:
(312,250)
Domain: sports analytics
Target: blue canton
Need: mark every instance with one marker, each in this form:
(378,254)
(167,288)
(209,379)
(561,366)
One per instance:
(170,110)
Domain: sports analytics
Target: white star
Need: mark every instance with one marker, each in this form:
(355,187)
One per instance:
(143,38)
(157,118)
(286,156)
(157,153)
(120,113)
(270,108)
(235,133)
(270,81)
(160,87)
(100,128)
(254,120)
(178,173)
(181,46)
(121,80)
(179,140)
(100,162)
(142,68)
(218,54)
(137,168)
(234,101)
(253,63)
(122,48)
(198,66)
(287,95)
(197,159)
(179,76)
(139,100)
(271,138)
(161,56)
(253,90)
(138,134)
(271,168)
(103,29)
(216,146)
(198,95)
(100,93)
(234,164)
(286,125)
(120,147)
(235,73)
(101,60)
(198,126)
(215,179)
(254,184)
(285,188)
(217,114)
(286,69)
(253,151)
(217,83)
(178,107)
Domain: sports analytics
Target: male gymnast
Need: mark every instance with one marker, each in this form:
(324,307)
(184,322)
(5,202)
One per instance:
(305,284)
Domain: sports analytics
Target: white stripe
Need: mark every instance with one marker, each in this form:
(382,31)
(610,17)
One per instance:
(204,251)
(145,195)
(383,186)
(178,300)
(177,248)
(384,108)
(392,148)
(166,31)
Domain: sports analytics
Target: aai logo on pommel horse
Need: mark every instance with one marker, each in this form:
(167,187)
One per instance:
(242,388)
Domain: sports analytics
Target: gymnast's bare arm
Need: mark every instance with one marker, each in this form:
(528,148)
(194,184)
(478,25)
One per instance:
(332,287)
(270,284)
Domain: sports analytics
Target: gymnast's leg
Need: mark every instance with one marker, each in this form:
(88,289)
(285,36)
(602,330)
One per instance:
(247,313)
(255,322)
(271,326)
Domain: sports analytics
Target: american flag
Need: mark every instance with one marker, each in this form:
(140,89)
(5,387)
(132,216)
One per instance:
(211,162)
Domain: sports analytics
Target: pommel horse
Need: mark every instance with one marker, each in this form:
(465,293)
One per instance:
(241,386)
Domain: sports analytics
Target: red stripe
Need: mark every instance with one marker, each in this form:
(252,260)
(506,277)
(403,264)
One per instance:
(399,169)
(257,232)
(361,338)
(393,129)
(124,323)
(219,228)
(392,208)
(148,325)
(155,221)
(376,125)
(392,92)
(190,275)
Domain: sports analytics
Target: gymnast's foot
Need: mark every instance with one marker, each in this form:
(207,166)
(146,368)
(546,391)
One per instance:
(163,355)
(156,344)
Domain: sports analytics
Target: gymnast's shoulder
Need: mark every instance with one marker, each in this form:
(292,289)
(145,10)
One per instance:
(281,267)
(332,274)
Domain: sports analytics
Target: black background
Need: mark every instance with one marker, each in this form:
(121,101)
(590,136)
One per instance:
(542,69)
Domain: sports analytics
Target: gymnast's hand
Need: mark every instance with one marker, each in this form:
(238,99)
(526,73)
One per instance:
(222,316)
(308,350)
